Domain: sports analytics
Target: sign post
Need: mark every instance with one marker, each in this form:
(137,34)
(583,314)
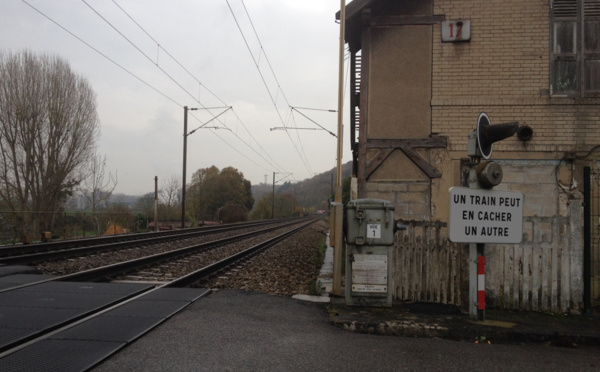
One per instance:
(479,215)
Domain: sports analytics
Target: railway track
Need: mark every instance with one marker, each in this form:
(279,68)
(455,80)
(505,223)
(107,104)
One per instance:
(63,245)
(16,354)
(145,243)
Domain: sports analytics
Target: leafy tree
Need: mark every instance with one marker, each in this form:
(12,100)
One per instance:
(197,193)
(263,209)
(48,129)
(285,206)
(232,213)
(212,189)
(346,185)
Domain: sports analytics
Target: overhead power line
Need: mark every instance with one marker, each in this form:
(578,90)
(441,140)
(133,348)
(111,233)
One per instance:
(300,150)
(167,52)
(102,54)
(139,50)
(271,162)
(319,125)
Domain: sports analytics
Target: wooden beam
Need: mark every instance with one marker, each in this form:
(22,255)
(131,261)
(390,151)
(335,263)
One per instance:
(401,20)
(407,146)
(379,159)
(430,142)
(423,164)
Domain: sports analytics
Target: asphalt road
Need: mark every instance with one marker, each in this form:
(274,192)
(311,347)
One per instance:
(239,331)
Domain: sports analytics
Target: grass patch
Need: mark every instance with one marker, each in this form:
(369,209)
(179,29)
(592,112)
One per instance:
(313,287)
(319,257)
(320,253)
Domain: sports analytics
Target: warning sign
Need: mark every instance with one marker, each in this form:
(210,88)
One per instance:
(485,216)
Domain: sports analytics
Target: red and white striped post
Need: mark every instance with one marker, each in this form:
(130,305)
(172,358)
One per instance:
(481,283)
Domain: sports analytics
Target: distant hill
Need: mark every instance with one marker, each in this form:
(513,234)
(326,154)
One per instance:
(79,202)
(311,193)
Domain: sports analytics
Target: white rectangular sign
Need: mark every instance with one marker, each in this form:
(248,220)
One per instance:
(456,30)
(369,271)
(374,231)
(485,216)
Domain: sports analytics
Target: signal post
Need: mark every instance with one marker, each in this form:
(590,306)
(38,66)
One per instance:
(480,215)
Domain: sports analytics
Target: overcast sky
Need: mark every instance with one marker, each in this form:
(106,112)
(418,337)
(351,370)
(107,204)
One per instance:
(148,59)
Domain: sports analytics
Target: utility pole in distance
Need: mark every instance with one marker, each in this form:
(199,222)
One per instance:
(155,203)
(185,134)
(273,207)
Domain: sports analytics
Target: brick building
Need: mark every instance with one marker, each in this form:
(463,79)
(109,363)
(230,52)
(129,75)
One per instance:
(415,98)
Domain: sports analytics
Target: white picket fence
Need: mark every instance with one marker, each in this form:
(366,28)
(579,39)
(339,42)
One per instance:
(543,273)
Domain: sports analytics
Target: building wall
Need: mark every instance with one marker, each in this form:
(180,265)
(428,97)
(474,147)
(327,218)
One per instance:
(504,70)
(398,79)
(400,84)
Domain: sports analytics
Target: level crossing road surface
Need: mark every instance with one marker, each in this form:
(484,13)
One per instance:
(71,326)
(239,331)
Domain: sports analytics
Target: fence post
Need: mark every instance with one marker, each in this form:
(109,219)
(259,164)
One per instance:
(587,242)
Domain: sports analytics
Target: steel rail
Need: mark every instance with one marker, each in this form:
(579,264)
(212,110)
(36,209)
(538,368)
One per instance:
(123,267)
(93,249)
(101,273)
(23,249)
(218,266)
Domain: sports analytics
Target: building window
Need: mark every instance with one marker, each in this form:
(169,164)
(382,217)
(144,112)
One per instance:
(575,37)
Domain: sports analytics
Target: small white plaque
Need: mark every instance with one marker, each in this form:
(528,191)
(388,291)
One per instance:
(369,288)
(374,231)
(369,277)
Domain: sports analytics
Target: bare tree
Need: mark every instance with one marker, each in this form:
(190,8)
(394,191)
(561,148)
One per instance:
(145,204)
(170,195)
(96,188)
(145,207)
(48,127)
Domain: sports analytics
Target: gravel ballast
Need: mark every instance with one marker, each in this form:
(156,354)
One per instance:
(285,269)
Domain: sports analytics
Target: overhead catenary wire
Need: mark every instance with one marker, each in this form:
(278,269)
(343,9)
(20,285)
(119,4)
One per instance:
(141,51)
(102,54)
(204,125)
(167,52)
(319,125)
(253,144)
(279,89)
(270,162)
(300,150)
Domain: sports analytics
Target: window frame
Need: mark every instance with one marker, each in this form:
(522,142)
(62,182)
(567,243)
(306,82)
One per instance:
(578,12)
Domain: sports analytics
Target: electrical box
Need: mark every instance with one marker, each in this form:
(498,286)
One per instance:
(370,222)
(369,252)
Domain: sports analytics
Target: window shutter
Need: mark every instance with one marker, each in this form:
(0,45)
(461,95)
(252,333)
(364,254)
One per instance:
(591,8)
(564,8)
(591,42)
